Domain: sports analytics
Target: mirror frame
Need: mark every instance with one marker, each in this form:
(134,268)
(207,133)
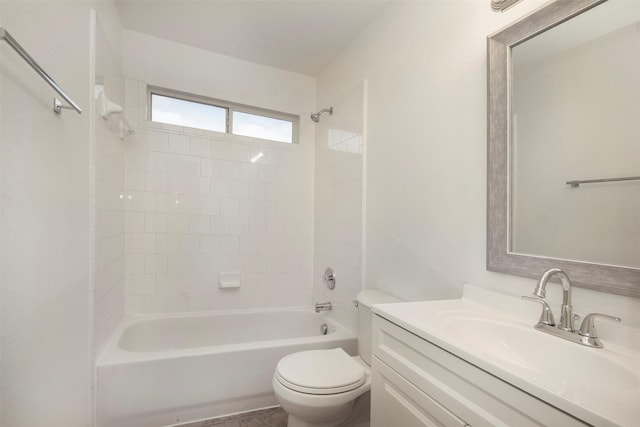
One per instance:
(599,277)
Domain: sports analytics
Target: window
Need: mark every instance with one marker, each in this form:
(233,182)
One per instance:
(176,111)
(262,127)
(181,109)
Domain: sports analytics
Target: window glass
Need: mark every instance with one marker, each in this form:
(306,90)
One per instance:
(182,112)
(196,111)
(262,127)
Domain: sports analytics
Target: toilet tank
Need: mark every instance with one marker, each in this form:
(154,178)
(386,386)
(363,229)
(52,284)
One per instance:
(366,298)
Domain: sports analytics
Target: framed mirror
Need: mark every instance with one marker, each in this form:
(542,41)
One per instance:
(563,102)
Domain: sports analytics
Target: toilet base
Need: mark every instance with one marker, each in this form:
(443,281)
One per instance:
(297,422)
(317,417)
(357,415)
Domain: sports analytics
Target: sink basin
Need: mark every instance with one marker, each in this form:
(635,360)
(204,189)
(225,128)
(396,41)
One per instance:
(577,372)
(495,332)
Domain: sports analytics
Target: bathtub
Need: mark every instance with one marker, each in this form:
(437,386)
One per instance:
(158,371)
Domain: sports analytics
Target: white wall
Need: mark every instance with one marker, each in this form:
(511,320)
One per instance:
(426,150)
(47,217)
(198,206)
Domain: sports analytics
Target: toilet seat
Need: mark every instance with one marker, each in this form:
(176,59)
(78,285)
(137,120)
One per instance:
(320,372)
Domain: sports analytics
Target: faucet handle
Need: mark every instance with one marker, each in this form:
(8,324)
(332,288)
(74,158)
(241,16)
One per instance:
(546,317)
(588,327)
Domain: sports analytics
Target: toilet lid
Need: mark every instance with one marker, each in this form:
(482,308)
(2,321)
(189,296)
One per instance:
(320,372)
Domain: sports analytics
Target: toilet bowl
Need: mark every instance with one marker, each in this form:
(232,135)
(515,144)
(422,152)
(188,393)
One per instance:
(318,388)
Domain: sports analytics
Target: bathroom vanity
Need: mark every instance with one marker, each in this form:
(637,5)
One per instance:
(478,361)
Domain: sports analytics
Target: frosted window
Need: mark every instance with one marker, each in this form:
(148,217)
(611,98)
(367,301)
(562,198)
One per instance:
(181,112)
(262,127)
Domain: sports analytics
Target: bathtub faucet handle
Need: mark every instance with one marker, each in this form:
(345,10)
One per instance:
(322,306)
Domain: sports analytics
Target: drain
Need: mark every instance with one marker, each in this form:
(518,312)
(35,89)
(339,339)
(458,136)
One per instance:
(324,329)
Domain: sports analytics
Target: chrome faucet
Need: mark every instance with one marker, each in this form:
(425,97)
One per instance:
(322,306)
(566,311)
(587,333)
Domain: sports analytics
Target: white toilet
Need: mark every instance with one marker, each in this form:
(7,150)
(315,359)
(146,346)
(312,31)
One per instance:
(318,388)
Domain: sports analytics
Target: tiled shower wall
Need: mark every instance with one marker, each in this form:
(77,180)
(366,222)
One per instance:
(199,203)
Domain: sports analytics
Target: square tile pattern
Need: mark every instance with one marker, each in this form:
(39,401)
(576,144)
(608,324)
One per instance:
(199,203)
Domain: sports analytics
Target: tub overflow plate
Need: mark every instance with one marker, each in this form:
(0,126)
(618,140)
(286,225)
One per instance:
(324,329)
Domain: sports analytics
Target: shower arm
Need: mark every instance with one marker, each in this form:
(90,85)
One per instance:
(316,116)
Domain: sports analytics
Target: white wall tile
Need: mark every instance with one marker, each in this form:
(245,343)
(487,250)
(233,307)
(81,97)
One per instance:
(210,206)
(199,224)
(134,222)
(134,304)
(155,263)
(229,244)
(168,243)
(221,149)
(141,284)
(142,201)
(249,172)
(200,301)
(229,207)
(238,226)
(177,302)
(229,170)
(134,264)
(178,223)
(179,143)
(136,180)
(156,303)
(220,188)
(248,245)
(179,263)
(168,283)
(219,225)
(155,222)
(209,244)
(155,182)
(157,141)
(200,147)
(239,190)
(248,208)
(141,243)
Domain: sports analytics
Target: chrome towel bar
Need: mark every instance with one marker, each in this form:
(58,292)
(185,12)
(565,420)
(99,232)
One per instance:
(577,183)
(57,105)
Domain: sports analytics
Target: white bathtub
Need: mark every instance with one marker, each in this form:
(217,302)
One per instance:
(165,370)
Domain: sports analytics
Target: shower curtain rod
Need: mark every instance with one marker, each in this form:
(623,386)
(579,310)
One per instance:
(57,105)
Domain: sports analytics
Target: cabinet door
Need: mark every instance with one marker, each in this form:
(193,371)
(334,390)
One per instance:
(397,402)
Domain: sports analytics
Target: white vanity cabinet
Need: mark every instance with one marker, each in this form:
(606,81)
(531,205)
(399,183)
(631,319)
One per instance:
(416,383)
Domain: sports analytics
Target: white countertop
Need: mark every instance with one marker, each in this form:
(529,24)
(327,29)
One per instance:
(495,332)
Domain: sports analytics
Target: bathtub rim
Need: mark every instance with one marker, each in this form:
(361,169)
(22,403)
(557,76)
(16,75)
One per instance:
(112,354)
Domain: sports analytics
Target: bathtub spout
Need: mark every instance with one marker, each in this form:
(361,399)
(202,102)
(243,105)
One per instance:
(322,306)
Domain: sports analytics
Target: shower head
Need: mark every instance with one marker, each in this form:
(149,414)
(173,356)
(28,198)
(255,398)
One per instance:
(316,116)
